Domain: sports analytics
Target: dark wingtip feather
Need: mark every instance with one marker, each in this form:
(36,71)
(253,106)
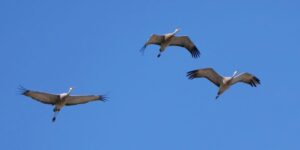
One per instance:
(191,74)
(251,83)
(103,98)
(195,52)
(254,84)
(256,80)
(142,50)
(23,90)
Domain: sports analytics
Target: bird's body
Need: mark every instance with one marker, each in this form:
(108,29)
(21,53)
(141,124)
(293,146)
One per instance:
(170,39)
(223,83)
(226,83)
(166,42)
(60,100)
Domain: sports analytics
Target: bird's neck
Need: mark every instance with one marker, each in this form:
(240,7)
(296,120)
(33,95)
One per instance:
(235,74)
(70,90)
(175,32)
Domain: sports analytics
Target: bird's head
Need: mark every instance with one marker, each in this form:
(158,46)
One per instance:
(176,30)
(70,89)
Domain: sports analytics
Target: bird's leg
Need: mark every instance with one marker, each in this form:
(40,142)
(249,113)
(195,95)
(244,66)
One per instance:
(159,54)
(56,111)
(160,50)
(54,117)
(219,93)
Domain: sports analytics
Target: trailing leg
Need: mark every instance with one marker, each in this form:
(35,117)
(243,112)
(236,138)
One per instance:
(56,111)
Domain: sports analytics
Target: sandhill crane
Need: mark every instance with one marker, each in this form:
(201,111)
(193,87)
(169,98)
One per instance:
(170,39)
(224,82)
(60,100)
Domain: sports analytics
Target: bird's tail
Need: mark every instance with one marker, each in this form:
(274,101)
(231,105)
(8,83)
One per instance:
(191,74)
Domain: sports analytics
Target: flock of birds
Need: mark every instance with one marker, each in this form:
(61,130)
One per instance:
(169,39)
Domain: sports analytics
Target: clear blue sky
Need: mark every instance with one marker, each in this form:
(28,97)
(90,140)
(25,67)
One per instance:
(94,46)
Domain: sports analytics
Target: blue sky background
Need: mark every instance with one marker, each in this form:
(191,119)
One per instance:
(94,46)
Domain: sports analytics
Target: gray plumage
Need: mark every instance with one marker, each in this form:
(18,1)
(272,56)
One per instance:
(170,39)
(223,82)
(60,100)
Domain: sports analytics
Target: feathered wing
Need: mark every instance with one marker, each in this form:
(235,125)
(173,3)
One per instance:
(208,73)
(154,39)
(45,98)
(74,100)
(246,78)
(186,42)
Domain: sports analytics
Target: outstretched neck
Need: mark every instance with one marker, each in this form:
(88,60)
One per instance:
(176,31)
(235,74)
(70,90)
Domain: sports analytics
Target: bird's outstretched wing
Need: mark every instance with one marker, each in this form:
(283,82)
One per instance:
(43,97)
(208,73)
(154,39)
(74,100)
(186,42)
(246,78)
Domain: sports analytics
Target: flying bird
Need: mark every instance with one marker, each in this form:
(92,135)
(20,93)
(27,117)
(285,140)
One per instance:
(170,39)
(60,100)
(224,82)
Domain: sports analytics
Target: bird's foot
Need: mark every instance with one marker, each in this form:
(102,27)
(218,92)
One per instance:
(158,55)
(217,96)
(53,119)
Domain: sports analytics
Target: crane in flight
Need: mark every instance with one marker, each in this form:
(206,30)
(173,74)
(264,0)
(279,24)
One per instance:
(170,39)
(60,100)
(224,82)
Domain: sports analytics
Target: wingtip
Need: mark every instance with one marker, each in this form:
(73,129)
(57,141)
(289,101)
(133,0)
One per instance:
(191,74)
(103,98)
(254,82)
(195,52)
(257,80)
(23,90)
(142,50)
